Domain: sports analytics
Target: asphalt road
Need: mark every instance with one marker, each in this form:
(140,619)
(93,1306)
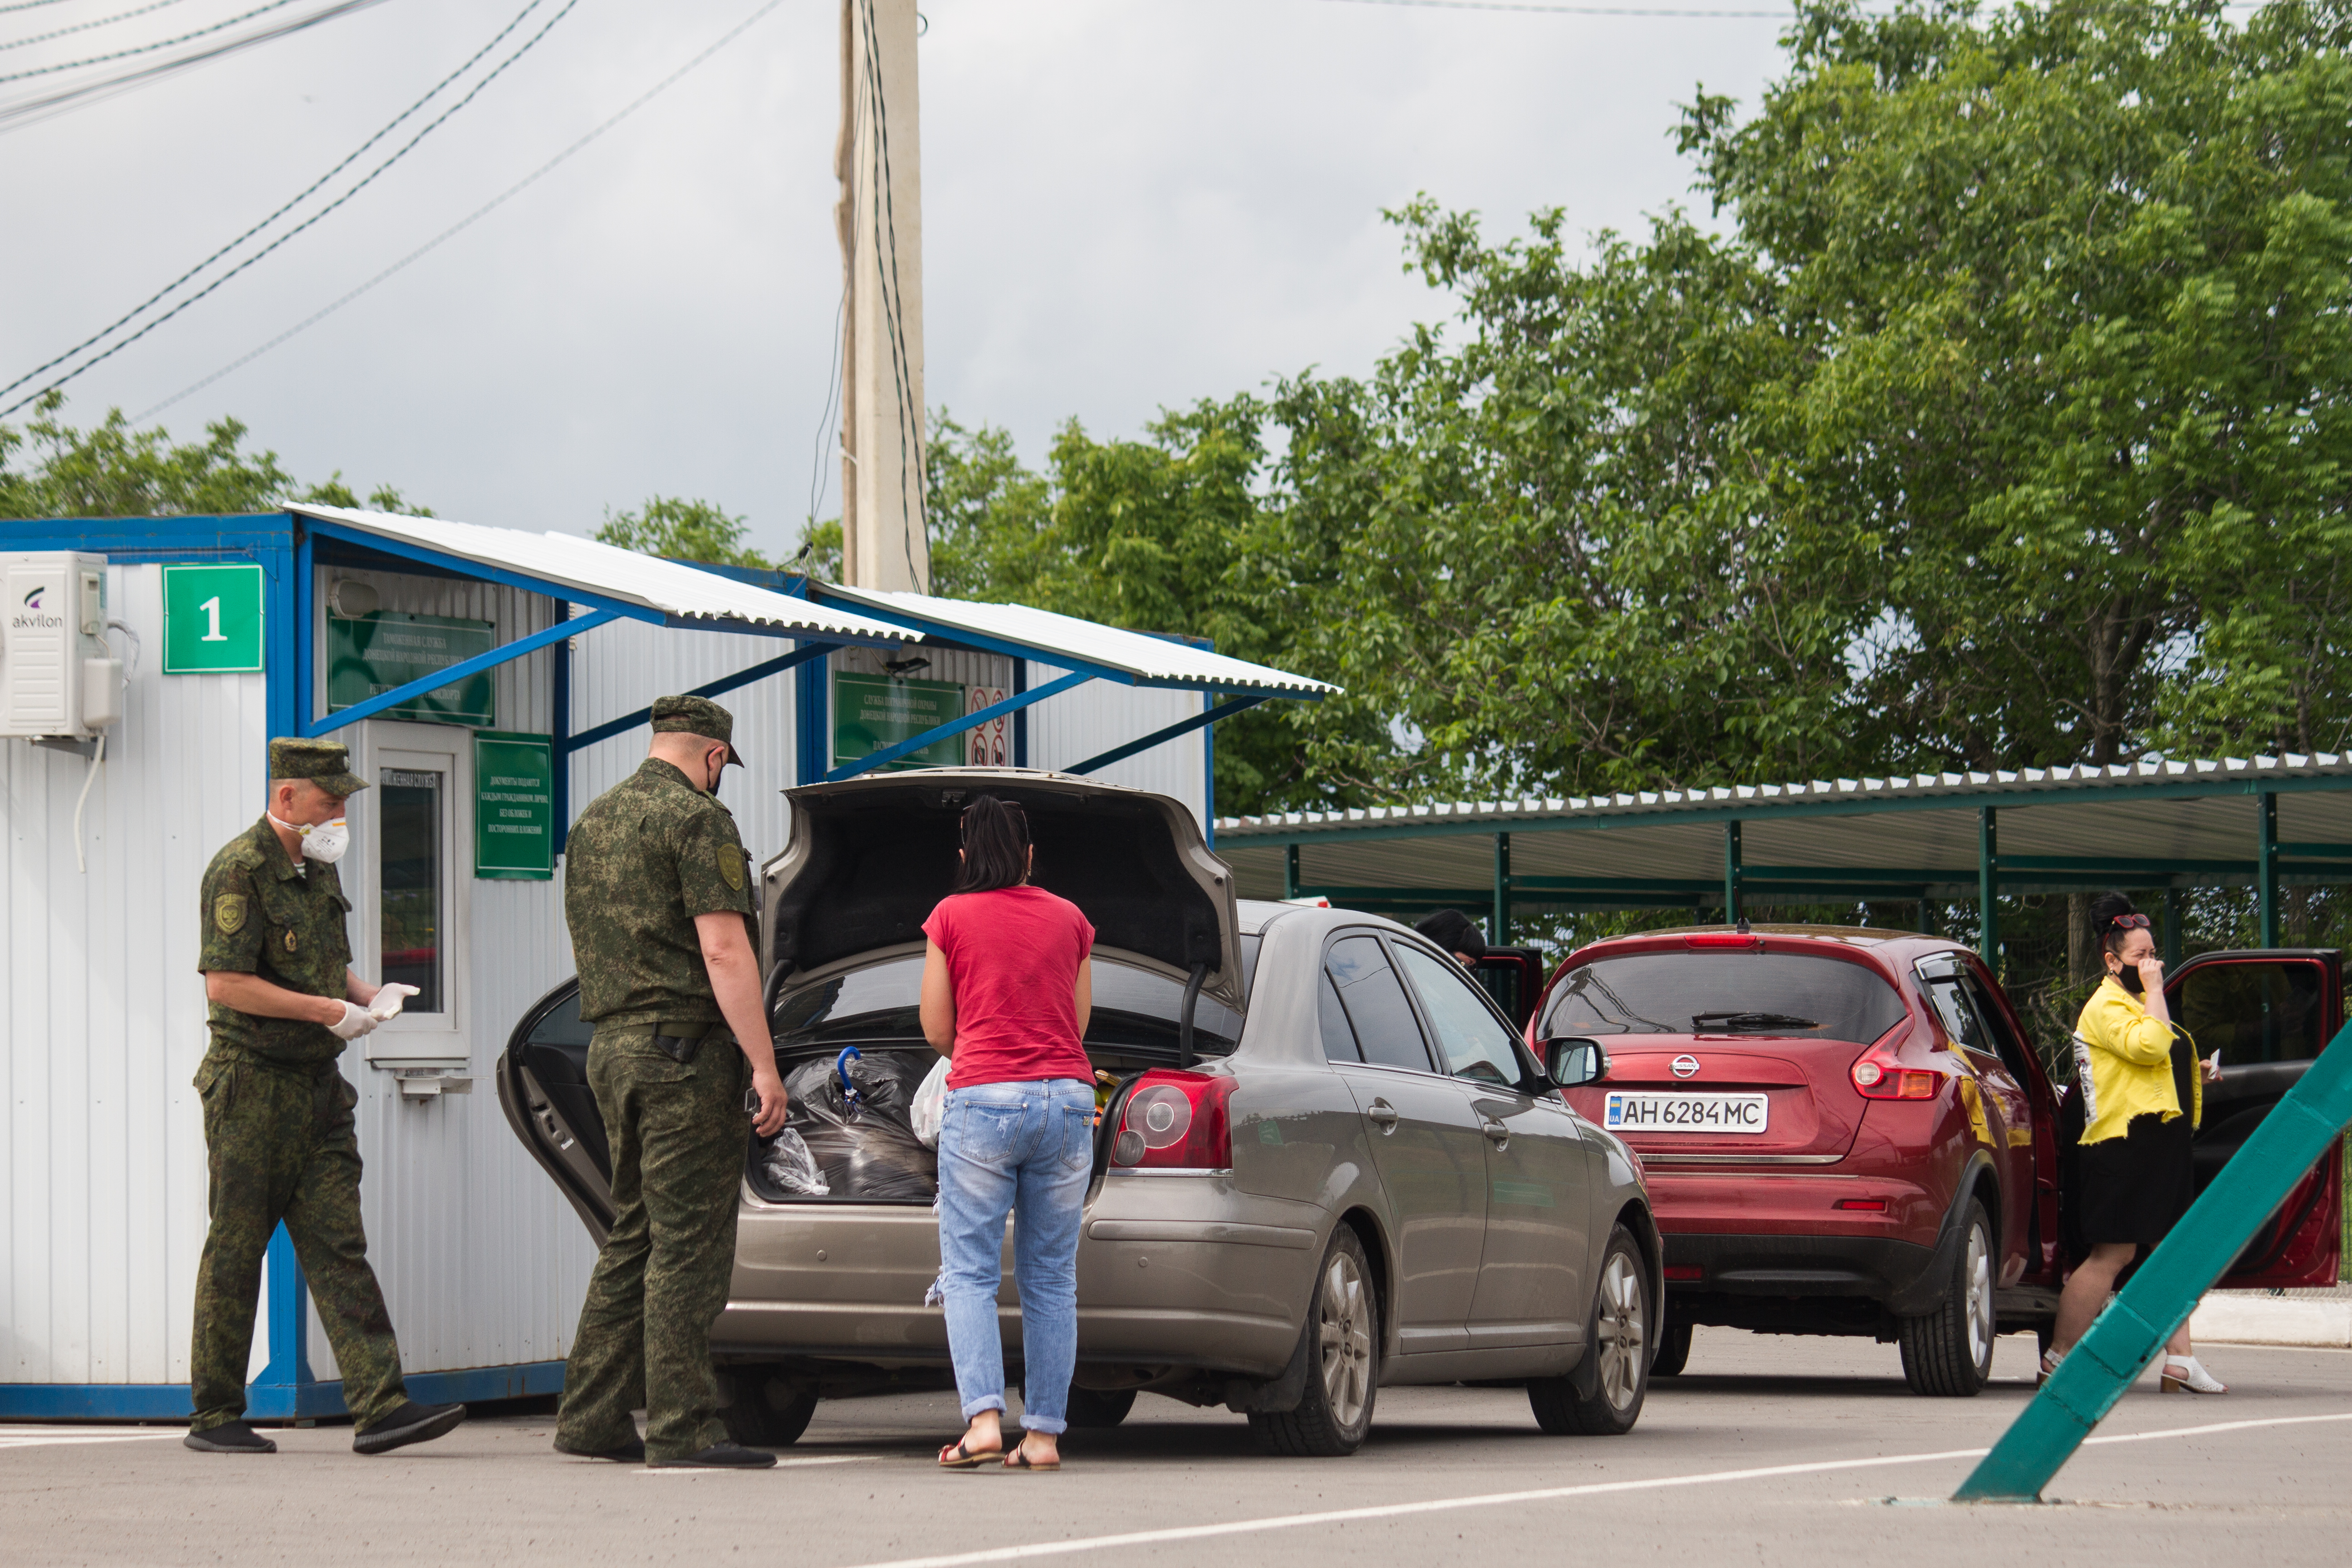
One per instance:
(1854,1464)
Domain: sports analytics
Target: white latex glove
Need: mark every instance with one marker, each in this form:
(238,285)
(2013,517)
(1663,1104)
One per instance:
(386,1006)
(357,1021)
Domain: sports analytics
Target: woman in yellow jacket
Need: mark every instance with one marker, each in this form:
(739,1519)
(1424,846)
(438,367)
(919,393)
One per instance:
(2142,1097)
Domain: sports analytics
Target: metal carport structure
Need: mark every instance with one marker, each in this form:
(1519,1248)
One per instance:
(2259,822)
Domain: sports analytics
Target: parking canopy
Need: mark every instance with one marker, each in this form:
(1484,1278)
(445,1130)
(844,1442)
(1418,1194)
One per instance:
(2259,822)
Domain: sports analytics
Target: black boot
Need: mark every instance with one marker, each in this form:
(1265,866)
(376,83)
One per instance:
(411,1423)
(229,1438)
(718,1456)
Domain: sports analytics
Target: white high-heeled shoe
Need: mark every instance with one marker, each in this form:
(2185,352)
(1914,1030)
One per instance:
(2186,1373)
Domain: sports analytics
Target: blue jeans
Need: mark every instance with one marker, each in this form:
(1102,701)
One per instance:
(1027,1148)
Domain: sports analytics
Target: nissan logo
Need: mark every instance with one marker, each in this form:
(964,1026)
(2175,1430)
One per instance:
(1685,1067)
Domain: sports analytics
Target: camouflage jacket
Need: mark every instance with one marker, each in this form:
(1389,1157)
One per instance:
(266,915)
(649,855)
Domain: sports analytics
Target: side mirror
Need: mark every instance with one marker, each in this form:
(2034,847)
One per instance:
(1575,1061)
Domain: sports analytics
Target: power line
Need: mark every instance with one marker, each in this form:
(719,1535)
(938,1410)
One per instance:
(150,48)
(17,113)
(365,181)
(28,6)
(86,26)
(470,219)
(349,159)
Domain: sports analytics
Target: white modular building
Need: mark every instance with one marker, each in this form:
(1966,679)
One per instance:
(489,683)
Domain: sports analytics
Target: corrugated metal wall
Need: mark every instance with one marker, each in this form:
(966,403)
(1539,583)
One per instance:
(102,1181)
(1101,714)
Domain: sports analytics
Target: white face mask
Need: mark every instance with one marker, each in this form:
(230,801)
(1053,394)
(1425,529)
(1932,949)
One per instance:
(325,842)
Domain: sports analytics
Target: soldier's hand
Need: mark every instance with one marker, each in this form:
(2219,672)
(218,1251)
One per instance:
(770,1088)
(357,1021)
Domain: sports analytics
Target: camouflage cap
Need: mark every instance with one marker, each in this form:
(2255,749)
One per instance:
(324,762)
(696,716)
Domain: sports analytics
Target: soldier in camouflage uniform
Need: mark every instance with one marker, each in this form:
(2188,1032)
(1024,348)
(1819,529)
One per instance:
(657,894)
(277,1113)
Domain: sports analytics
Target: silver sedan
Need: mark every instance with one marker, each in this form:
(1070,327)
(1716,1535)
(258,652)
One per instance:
(1324,1164)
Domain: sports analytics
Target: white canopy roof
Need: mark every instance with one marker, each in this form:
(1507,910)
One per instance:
(1059,640)
(675,591)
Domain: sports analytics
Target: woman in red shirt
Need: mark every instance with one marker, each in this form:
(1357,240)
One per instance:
(1006,993)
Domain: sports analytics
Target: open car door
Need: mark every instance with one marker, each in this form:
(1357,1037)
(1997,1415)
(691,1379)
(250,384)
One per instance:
(543,1088)
(2268,1014)
(1514,977)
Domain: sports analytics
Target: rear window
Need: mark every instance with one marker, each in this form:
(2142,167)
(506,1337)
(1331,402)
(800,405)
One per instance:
(1135,1009)
(1799,996)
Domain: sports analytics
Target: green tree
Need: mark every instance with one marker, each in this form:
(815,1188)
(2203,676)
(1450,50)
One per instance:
(49,468)
(681,529)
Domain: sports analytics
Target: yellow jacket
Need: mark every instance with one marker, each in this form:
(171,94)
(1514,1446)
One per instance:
(2123,1059)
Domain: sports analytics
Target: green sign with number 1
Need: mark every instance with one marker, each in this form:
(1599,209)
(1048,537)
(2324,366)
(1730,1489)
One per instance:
(212,619)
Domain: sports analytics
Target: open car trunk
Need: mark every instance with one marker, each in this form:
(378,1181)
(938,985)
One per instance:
(842,952)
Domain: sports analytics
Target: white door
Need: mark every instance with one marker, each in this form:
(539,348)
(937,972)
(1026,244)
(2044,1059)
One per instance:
(412,835)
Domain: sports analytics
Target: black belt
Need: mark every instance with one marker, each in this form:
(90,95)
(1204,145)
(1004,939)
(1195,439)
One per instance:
(679,1042)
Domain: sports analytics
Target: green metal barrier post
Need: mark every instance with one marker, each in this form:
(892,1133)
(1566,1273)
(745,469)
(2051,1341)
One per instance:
(2135,1326)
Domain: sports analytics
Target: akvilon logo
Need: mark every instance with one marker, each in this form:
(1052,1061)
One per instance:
(32,618)
(32,599)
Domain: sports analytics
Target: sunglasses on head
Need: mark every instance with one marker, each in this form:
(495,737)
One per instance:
(2130,922)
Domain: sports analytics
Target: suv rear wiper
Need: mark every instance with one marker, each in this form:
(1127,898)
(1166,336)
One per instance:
(1742,1023)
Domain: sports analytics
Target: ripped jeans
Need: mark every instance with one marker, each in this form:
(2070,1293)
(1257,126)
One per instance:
(1025,1149)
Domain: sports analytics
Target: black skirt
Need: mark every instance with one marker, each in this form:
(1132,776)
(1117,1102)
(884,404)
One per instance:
(2135,1187)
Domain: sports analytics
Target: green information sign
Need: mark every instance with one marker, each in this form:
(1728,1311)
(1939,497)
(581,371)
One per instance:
(514,806)
(378,652)
(212,619)
(871,711)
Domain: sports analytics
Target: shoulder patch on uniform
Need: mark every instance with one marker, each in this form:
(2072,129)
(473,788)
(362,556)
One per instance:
(228,913)
(731,866)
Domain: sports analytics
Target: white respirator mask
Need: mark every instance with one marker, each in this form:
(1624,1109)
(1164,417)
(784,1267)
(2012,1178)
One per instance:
(325,842)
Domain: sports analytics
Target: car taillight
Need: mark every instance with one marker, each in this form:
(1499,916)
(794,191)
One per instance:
(1175,1121)
(1723,939)
(1878,1076)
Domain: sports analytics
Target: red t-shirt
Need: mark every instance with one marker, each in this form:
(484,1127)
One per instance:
(1014,954)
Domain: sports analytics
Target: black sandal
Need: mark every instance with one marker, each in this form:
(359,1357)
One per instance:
(1019,1459)
(955,1457)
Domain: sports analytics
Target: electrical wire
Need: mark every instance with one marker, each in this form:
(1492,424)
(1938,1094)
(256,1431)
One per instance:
(86,26)
(365,181)
(348,160)
(28,6)
(151,48)
(17,113)
(470,219)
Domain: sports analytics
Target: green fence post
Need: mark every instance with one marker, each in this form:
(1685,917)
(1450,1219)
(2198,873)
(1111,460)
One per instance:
(1988,889)
(1290,871)
(2172,916)
(2135,1326)
(1731,873)
(2266,873)
(1502,922)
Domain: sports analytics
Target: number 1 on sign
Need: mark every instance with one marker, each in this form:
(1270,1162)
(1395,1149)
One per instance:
(211,607)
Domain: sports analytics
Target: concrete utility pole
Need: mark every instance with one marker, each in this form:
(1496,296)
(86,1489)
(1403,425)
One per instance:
(878,159)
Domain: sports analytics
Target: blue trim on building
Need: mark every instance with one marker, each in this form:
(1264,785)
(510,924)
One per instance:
(811,718)
(308,1401)
(211,537)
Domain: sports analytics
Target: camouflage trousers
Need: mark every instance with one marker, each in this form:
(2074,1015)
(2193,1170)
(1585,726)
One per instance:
(281,1148)
(679,1134)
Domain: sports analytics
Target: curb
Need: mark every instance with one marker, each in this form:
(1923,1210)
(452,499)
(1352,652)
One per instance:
(2271,1321)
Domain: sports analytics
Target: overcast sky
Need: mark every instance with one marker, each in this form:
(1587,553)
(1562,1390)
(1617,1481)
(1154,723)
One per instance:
(1128,204)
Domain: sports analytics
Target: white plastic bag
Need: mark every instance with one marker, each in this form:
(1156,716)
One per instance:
(930,1107)
(791,1166)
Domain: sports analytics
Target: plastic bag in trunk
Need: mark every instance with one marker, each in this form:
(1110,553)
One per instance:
(787,1162)
(861,1135)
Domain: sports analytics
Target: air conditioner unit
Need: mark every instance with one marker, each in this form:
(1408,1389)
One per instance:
(58,679)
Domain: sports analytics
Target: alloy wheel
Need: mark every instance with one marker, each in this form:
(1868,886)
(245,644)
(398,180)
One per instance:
(1346,1339)
(1623,1331)
(1979,1297)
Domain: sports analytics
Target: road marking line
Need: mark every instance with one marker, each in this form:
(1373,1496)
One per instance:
(35,1438)
(779,1465)
(1489,1499)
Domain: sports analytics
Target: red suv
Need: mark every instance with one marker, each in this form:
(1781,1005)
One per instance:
(1846,1133)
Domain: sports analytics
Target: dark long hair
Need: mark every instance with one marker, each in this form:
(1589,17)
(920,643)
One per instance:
(2106,910)
(995,847)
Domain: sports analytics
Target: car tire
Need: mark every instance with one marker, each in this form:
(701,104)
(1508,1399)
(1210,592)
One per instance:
(1098,1410)
(1621,1323)
(766,1412)
(1343,1361)
(1674,1348)
(1947,1353)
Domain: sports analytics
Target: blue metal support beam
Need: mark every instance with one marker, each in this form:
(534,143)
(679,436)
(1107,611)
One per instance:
(1181,727)
(914,743)
(384,700)
(725,683)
